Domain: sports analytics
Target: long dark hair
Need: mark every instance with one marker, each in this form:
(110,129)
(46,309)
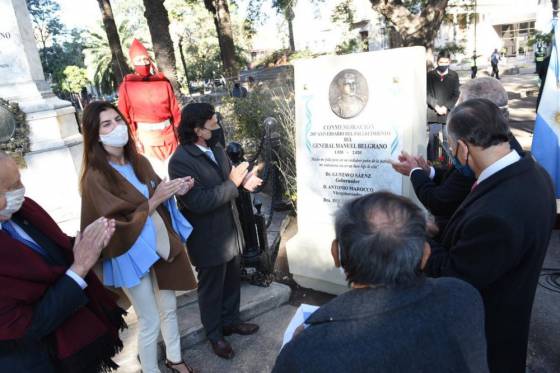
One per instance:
(95,155)
(193,116)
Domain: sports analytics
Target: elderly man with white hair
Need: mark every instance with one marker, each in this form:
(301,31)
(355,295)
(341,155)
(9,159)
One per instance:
(442,190)
(55,315)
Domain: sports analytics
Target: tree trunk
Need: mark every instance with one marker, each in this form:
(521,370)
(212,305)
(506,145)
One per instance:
(290,18)
(414,29)
(118,61)
(184,63)
(222,20)
(158,23)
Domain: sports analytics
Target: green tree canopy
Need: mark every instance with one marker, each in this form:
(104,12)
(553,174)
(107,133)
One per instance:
(75,79)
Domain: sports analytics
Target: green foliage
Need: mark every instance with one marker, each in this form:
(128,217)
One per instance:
(75,79)
(195,25)
(343,13)
(45,16)
(243,122)
(246,115)
(58,47)
(453,48)
(354,45)
(546,38)
(98,56)
(64,53)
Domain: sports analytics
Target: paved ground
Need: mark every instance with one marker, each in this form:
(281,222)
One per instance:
(544,337)
(254,354)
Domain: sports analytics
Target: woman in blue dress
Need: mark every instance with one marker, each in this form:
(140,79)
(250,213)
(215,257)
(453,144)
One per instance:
(146,256)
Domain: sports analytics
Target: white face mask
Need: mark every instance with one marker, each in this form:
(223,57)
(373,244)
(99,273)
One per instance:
(14,200)
(117,137)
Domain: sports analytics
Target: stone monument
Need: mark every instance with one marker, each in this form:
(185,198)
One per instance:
(353,114)
(54,160)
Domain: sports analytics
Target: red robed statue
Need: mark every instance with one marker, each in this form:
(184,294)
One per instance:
(147,101)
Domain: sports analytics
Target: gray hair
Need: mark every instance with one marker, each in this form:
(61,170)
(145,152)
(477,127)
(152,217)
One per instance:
(488,88)
(381,238)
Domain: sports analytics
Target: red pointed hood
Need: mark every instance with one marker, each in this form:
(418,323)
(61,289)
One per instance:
(137,49)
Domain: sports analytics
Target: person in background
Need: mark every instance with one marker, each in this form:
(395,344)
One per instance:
(217,239)
(474,65)
(55,315)
(238,91)
(442,94)
(146,257)
(497,239)
(495,59)
(149,106)
(393,319)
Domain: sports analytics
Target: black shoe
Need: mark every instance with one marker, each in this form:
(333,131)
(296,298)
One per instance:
(241,328)
(222,348)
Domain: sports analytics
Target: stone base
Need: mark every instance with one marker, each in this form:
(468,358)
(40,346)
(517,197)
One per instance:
(51,175)
(255,301)
(311,263)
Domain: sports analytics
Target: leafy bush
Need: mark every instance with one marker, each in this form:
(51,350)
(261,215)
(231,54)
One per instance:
(243,122)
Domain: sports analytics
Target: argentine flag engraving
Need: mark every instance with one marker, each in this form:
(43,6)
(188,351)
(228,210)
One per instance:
(545,147)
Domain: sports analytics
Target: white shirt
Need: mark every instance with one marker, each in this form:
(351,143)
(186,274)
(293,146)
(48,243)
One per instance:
(73,275)
(431,175)
(499,165)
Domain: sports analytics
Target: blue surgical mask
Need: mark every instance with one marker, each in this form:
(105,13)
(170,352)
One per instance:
(464,169)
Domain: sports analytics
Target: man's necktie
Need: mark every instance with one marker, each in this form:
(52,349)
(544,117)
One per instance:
(210,155)
(474,185)
(8,227)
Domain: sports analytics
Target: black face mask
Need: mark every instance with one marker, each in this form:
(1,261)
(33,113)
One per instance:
(442,68)
(215,139)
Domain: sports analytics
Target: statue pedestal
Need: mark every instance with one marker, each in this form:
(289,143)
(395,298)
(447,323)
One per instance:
(350,120)
(53,165)
(51,175)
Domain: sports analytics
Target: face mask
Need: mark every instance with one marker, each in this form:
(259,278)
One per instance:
(117,137)
(465,169)
(14,200)
(216,135)
(143,70)
(442,68)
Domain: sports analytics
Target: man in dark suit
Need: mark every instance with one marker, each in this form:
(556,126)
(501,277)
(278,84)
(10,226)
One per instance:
(442,189)
(217,239)
(393,319)
(55,316)
(442,94)
(497,239)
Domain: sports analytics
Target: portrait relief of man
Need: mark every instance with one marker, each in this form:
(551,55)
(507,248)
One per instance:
(348,93)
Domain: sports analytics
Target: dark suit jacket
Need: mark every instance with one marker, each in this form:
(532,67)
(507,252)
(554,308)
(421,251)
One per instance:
(209,206)
(435,326)
(442,195)
(496,241)
(442,93)
(449,188)
(30,354)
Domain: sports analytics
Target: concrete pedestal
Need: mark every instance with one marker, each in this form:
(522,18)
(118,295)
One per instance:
(53,164)
(353,114)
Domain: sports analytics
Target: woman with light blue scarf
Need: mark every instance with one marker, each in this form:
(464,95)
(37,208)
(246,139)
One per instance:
(146,256)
